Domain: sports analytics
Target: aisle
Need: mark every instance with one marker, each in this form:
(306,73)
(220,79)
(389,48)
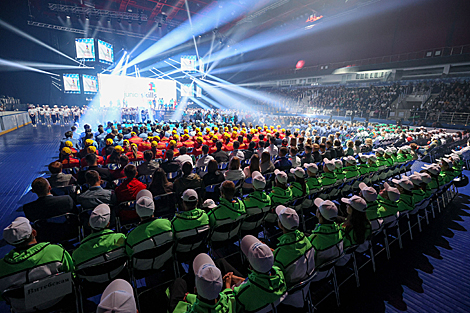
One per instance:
(24,155)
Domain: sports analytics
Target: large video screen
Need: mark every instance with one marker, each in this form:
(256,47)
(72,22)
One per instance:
(143,92)
(105,52)
(71,83)
(85,48)
(90,84)
(187,90)
(188,63)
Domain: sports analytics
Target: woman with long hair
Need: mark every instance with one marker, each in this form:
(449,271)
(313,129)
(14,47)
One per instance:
(213,175)
(254,167)
(266,165)
(114,156)
(160,184)
(356,228)
(234,172)
(299,186)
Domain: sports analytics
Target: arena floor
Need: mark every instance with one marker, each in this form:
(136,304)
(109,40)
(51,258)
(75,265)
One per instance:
(429,275)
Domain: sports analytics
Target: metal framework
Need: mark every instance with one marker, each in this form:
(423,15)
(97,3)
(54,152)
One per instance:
(97,12)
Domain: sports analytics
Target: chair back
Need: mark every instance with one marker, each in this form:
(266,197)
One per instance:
(153,253)
(187,241)
(226,229)
(104,268)
(255,218)
(58,229)
(165,205)
(328,265)
(64,191)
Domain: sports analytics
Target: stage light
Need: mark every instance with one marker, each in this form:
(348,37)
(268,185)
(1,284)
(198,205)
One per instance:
(130,21)
(163,18)
(68,16)
(159,24)
(119,20)
(109,20)
(87,17)
(215,30)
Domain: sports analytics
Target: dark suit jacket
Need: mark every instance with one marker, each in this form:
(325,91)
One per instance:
(220,156)
(105,174)
(316,156)
(171,166)
(48,206)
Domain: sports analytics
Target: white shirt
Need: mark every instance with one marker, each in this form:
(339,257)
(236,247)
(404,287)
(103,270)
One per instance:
(295,161)
(204,160)
(184,158)
(273,150)
(238,154)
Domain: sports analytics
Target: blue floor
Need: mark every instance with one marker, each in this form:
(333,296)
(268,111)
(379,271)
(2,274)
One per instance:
(429,275)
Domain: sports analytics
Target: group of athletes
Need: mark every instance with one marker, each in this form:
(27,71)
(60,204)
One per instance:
(48,116)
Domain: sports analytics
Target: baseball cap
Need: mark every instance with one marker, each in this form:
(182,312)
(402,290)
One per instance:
(281,176)
(209,204)
(258,254)
(404,182)
(327,208)
(379,150)
(393,193)
(288,217)
(415,179)
(330,164)
(432,168)
(351,160)
(100,217)
(209,281)
(389,151)
(369,193)
(311,167)
(373,158)
(298,172)
(189,195)
(363,157)
(356,203)
(338,163)
(118,297)
(18,231)
(425,177)
(258,180)
(144,205)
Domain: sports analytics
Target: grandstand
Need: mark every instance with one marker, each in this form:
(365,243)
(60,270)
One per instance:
(233,156)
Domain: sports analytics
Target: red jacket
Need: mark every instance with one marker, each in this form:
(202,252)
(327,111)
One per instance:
(127,191)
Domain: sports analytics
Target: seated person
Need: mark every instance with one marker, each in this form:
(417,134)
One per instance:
(387,199)
(372,211)
(213,175)
(447,173)
(234,172)
(299,186)
(356,228)
(219,155)
(418,193)
(95,194)
(101,245)
(47,205)
(189,180)
(119,172)
(160,184)
(328,178)
(340,175)
(170,165)
(313,182)
(228,208)
(211,293)
(282,161)
(91,150)
(189,220)
(117,297)
(128,189)
(351,169)
(373,165)
(293,158)
(57,178)
(425,184)
(326,238)
(92,162)
(264,286)
(30,260)
(280,194)
(363,165)
(148,166)
(405,188)
(256,201)
(183,157)
(205,157)
(294,254)
(148,233)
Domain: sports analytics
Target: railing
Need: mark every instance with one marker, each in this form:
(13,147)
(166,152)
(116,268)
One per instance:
(454,118)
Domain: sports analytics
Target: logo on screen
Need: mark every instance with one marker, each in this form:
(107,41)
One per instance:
(152,87)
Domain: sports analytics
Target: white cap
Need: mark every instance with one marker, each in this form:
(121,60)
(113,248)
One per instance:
(389,151)
(379,150)
(356,203)
(425,177)
(338,163)
(144,205)
(311,167)
(404,182)
(281,176)
(373,158)
(363,157)
(100,216)
(351,160)
(189,195)
(118,297)
(209,280)
(288,217)
(18,231)
(258,254)
(330,164)
(393,193)
(258,180)
(415,179)
(298,172)
(209,204)
(327,208)
(369,193)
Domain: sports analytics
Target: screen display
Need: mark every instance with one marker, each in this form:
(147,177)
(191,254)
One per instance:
(85,48)
(105,52)
(128,91)
(90,84)
(71,83)
(187,90)
(188,63)
(198,91)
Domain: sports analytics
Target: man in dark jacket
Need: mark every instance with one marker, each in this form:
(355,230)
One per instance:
(92,162)
(219,155)
(170,165)
(308,157)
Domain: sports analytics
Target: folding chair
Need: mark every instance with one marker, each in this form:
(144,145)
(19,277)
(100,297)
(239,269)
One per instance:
(189,243)
(225,232)
(329,268)
(63,229)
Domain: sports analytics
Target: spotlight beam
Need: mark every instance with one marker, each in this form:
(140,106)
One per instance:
(49,66)
(19,67)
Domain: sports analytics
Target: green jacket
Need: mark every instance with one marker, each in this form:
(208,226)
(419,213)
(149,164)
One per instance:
(255,201)
(259,290)
(448,176)
(351,171)
(374,167)
(297,190)
(97,244)
(418,195)
(291,247)
(394,158)
(225,210)
(434,184)
(188,220)
(340,175)
(349,238)
(406,203)
(389,162)
(381,161)
(388,208)
(363,168)
(327,240)
(280,196)
(44,257)
(372,210)
(402,158)
(145,230)
(225,304)
(328,179)
(428,191)
(313,183)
